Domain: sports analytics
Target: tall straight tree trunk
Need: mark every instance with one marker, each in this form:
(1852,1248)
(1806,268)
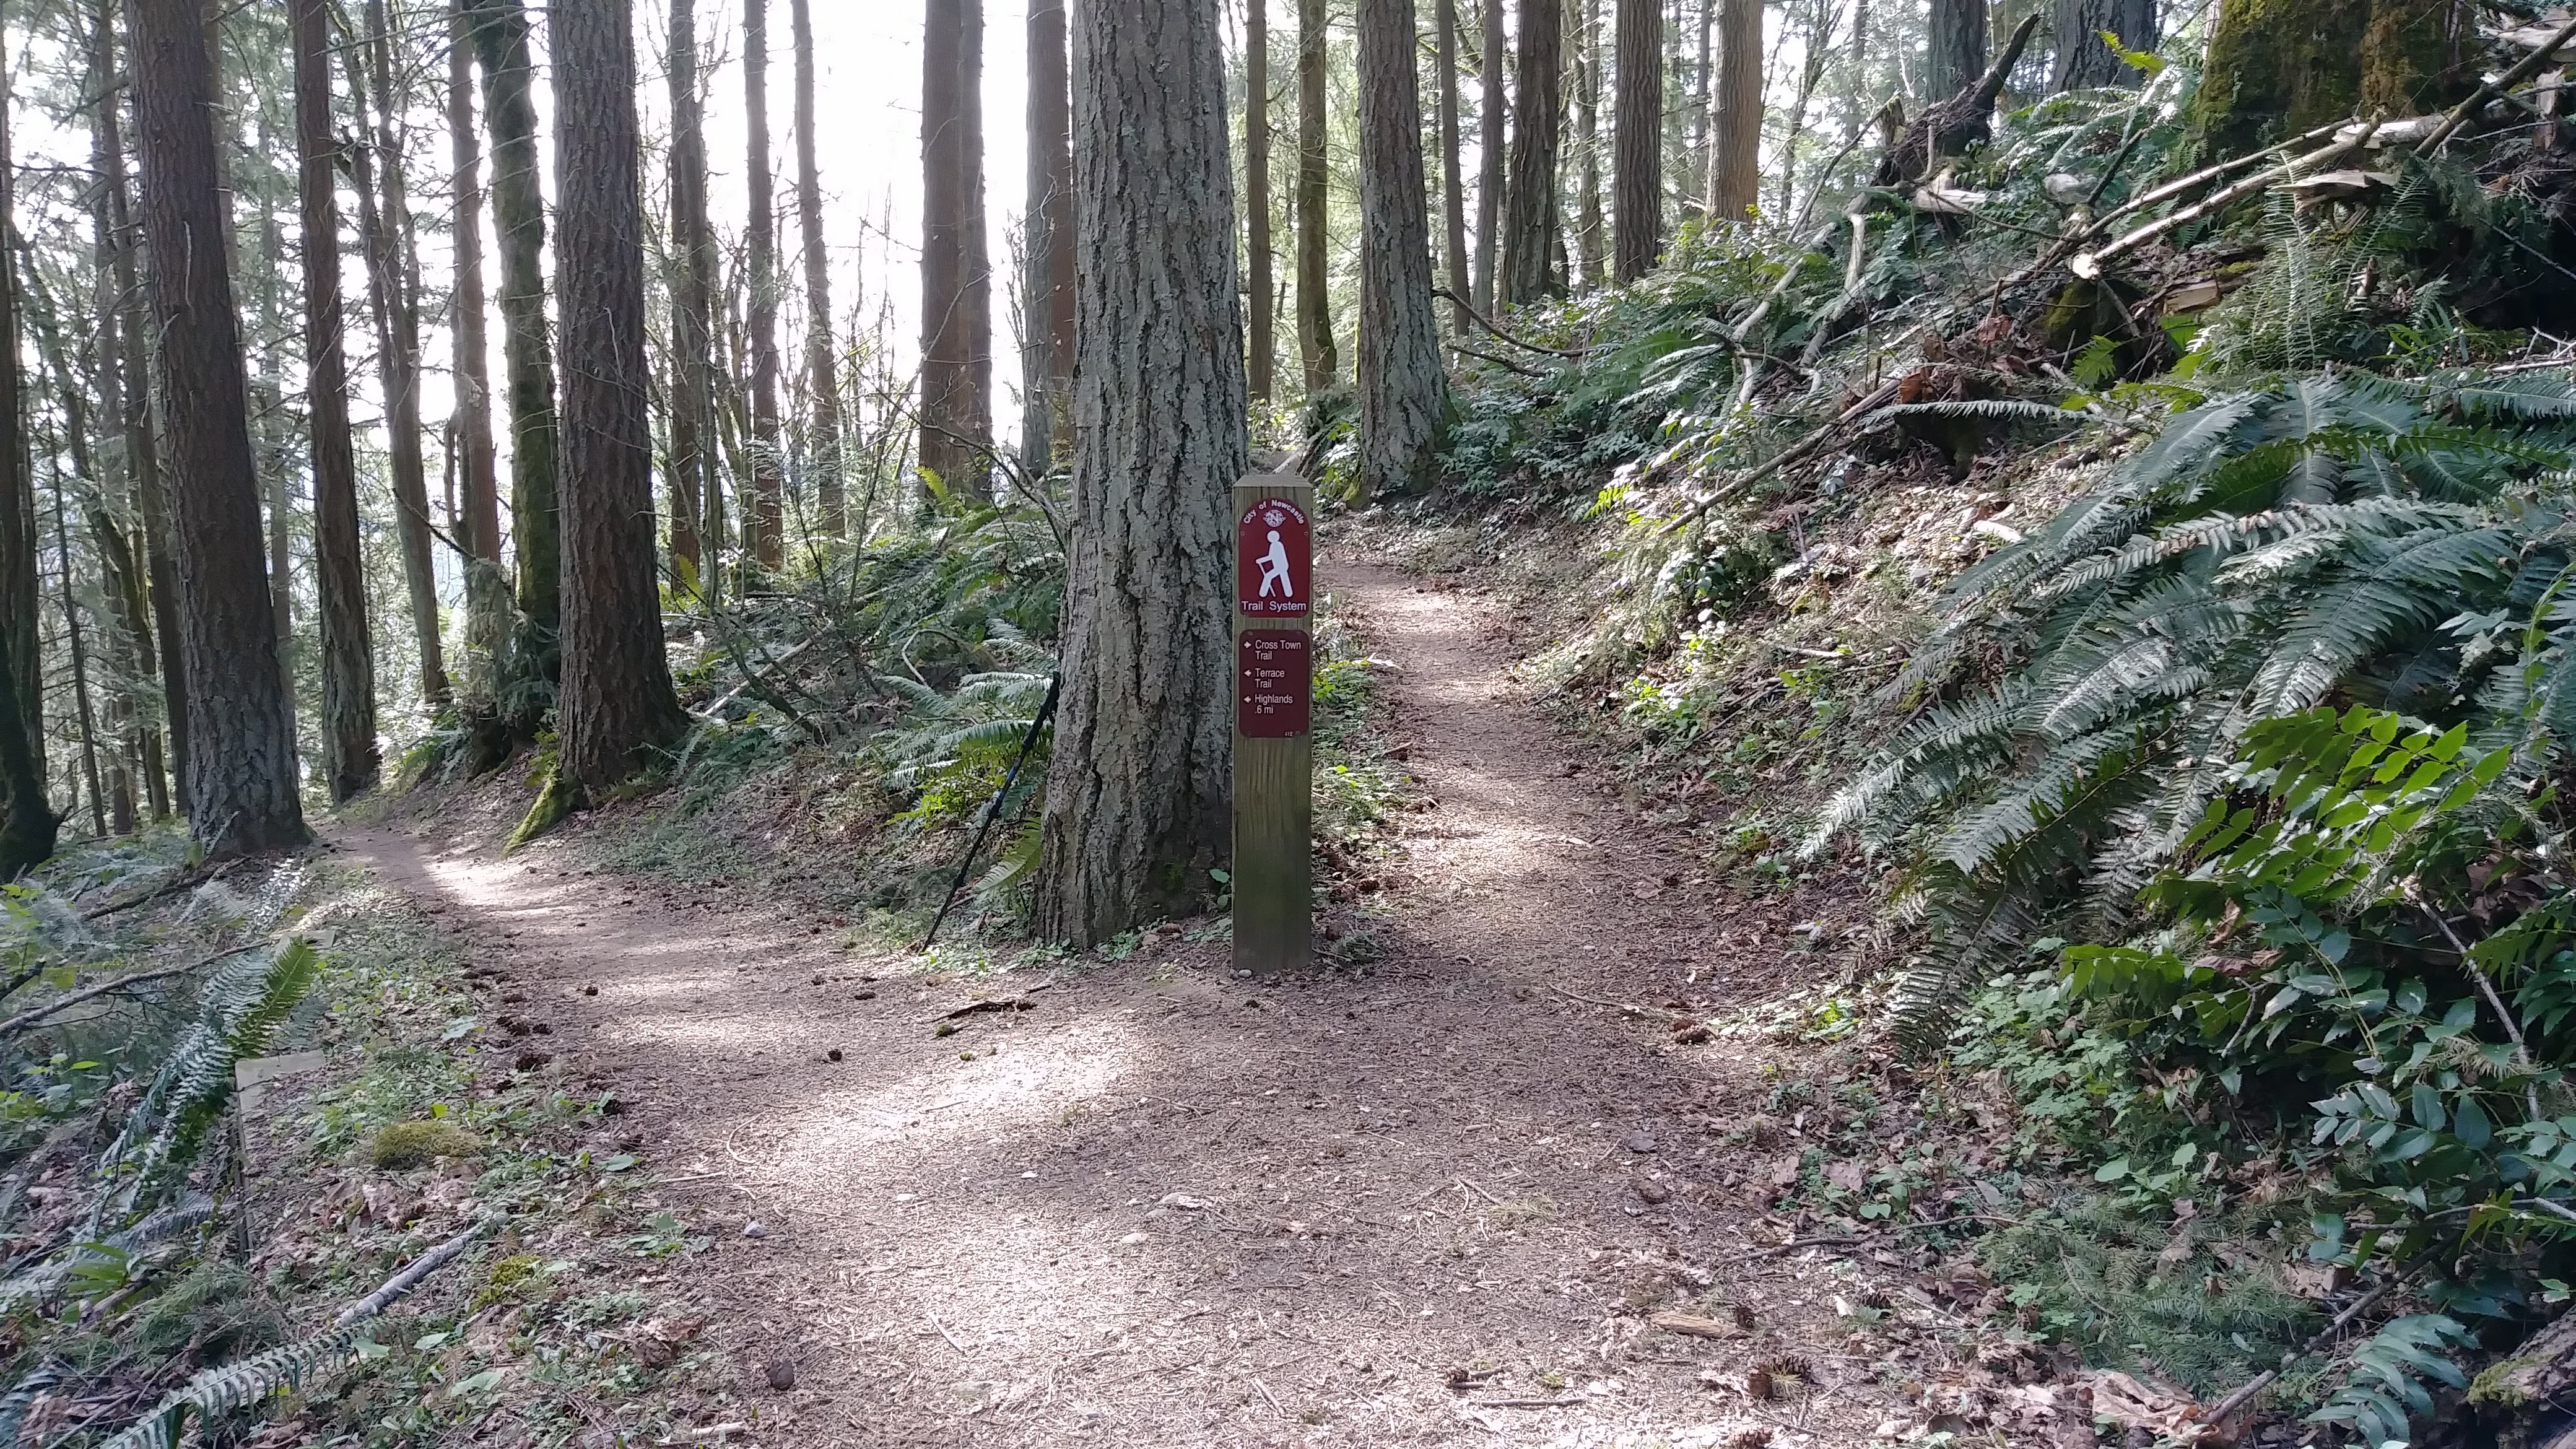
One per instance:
(534,657)
(761,514)
(1136,799)
(1533,245)
(1639,159)
(1260,284)
(270,442)
(28,823)
(1589,224)
(393,294)
(1399,341)
(77,638)
(1735,150)
(956,281)
(1050,323)
(822,359)
(2083,60)
(131,655)
(1493,109)
(1955,56)
(1453,186)
(487,597)
(1703,98)
(350,764)
(1314,301)
(617,703)
(241,786)
(692,304)
(143,440)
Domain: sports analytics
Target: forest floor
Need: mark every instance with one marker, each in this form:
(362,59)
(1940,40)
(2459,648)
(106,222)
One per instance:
(1437,1198)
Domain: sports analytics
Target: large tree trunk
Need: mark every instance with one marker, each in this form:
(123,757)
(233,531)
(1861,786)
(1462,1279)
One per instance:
(1703,102)
(27,821)
(1735,149)
(1399,341)
(1533,243)
(1493,109)
(1639,158)
(393,297)
(2083,59)
(617,702)
(487,596)
(692,305)
(534,659)
(1588,224)
(1453,184)
(822,367)
(761,515)
(143,446)
(1315,346)
(956,281)
(1049,324)
(350,763)
(1955,56)
(1259,281)
(2278,67)
(1136,800)
(241,787)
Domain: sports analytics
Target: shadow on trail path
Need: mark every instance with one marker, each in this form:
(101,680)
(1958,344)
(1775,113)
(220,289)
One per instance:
(1165,1207)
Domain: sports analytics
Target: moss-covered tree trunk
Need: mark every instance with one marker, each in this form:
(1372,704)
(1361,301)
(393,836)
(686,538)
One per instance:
(2279,67)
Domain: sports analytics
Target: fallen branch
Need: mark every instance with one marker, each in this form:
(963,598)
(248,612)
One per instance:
(2220,1411)
(35,1014)
(178,882)
(1497,359)
(2529,66)
(1807,447)
(409,1278)
(2089,264)
(1629,1007)
(1487,323)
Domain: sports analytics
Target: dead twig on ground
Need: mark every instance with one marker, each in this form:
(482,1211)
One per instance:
(35,1014)
(409,1278)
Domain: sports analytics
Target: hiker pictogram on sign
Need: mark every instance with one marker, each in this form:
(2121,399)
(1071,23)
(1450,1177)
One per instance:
(1274,569)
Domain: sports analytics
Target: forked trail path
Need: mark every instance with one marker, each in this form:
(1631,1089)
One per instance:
(1420,1204)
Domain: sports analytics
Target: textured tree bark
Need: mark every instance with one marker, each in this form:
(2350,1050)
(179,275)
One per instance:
(1639,143)
(143,446)
(130,651)
(1955,56)
(1735,150)
(350,763)
(1401,394)
(1703,102)
(822,372)
(1259,281)
(74,635)
(1049,324)
(956,279)
(241,787)
(393,299)
(2083,60)
(27,821)
(617,702)
(1453,185)
(1590,253)
(1315,345)
(1137,792)
(534,658)
(487,587)
(692,285)
(761,517)
(271,439)
(1493,109)
(1533,244)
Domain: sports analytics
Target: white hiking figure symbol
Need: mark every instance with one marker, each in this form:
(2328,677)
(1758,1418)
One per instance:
(1274,569)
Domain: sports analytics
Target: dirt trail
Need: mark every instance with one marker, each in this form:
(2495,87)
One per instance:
(1165,1207)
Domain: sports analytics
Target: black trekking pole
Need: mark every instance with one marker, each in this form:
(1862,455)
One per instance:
(993,812)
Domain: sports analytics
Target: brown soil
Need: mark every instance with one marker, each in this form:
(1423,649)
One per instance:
(1430,1200)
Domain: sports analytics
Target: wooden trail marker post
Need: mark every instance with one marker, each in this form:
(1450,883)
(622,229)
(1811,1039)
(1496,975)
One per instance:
(1274,706)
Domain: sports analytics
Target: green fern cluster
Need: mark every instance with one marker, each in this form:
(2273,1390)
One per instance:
(2315,539)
